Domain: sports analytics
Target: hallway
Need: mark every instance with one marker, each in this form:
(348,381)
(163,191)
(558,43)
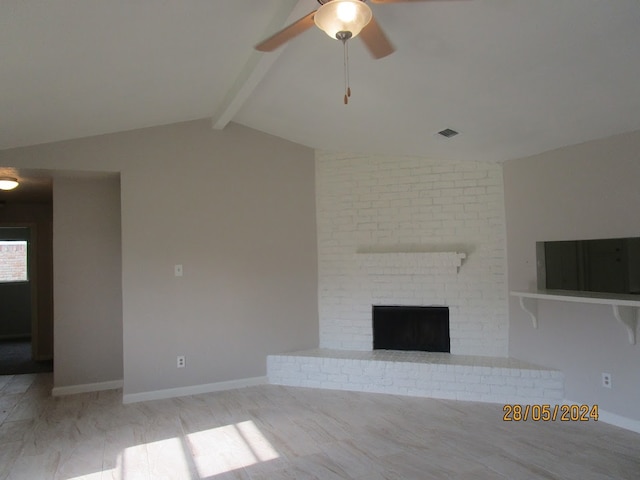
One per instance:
(15,359)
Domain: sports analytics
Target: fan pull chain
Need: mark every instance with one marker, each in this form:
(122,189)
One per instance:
(343,36)
(347,88)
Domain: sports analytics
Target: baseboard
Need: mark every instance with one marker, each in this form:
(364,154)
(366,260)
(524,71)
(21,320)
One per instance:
(193,390)
(86,388)
(613,418)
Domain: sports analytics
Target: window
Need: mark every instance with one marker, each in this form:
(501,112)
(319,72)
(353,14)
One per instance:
(13,261)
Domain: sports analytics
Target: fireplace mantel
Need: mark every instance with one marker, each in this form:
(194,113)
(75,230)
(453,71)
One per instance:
(404,262)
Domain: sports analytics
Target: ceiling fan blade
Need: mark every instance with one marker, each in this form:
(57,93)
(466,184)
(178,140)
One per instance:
(287,33)
(375,40)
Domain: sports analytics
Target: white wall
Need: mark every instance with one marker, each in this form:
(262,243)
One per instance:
(237,209)
(584,191)
(87,280)
(400,204)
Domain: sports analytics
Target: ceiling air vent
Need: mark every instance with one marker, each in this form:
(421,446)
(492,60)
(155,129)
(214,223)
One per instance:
(448,133)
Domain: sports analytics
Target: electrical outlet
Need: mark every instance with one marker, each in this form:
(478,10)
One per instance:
(606,380)
(182,361)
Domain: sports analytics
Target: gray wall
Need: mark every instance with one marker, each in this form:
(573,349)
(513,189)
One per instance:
(87,279)
(15,297)
(584,191)
(237,209)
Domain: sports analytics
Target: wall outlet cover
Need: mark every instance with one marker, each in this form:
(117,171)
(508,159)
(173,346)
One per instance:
(182,361)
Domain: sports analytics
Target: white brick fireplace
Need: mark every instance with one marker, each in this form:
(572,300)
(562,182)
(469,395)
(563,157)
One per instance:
(390,231)
(411,231)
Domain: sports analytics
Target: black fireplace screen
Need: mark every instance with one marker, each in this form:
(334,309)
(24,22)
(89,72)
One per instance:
(411,328)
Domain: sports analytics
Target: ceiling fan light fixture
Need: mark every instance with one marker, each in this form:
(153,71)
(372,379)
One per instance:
(8,183)
(343,16)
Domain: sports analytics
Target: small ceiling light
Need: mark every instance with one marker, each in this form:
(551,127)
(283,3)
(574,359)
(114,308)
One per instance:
(8,183)
(345,17)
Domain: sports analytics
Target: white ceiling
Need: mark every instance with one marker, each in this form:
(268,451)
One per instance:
(515,77)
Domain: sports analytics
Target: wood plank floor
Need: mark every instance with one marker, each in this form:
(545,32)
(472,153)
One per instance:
(274,432)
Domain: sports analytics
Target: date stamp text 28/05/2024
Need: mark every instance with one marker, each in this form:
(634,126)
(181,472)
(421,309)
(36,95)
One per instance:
(549,413)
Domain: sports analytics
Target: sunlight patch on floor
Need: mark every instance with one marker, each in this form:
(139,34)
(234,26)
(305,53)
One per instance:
(228,448)
(212,452)
(168,458)
(92,476)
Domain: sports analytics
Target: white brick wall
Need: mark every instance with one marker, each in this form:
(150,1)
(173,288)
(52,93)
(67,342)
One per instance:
(386,207)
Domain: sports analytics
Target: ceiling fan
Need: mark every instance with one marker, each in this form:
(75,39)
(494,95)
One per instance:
(342,20)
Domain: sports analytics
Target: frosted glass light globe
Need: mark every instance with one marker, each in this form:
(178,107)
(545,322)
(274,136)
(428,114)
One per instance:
(343,16)
(8,183)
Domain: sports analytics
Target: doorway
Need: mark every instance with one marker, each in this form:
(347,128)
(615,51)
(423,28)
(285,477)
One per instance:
(19,353)
(26,298)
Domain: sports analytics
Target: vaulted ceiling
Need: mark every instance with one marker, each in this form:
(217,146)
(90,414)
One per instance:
(515,77)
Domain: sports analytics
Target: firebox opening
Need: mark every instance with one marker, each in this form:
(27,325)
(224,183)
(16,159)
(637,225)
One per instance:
(398,327)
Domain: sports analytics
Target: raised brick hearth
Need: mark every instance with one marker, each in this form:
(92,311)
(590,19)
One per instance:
(437,375)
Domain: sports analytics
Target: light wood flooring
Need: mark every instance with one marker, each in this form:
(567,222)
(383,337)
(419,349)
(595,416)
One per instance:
(274,432)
